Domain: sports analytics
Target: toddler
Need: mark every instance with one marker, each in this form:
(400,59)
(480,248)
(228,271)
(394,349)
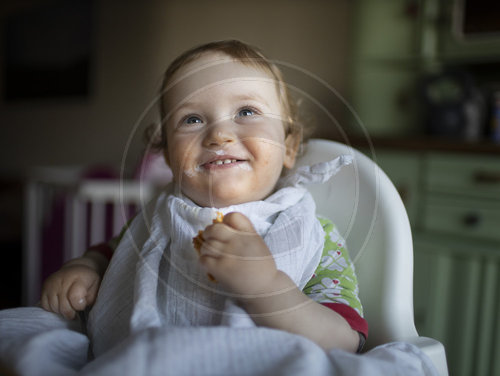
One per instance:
(230,135)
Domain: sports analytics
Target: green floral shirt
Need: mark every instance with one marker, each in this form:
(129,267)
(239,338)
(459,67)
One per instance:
(334,280)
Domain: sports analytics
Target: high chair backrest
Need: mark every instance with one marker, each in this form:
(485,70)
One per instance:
(366,207)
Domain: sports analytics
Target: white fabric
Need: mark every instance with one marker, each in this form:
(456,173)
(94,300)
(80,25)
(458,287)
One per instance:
(167,286)
(317,173)
(34,342)
(38,343)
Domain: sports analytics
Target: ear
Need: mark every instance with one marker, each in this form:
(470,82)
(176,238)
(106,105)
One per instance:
(292,143)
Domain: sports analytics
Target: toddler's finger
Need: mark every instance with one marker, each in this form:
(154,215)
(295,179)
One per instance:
(77,294)
(239,222)
(92,293)
(54,303)
(217,231)
(65,308)
(44,302)
(209,264)
(211,248)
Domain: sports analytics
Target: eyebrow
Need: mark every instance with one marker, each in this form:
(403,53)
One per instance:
(186,104)
(252,96)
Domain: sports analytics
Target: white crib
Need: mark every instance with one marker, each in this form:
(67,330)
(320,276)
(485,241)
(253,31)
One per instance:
(87,207)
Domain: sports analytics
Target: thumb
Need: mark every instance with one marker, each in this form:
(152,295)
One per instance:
(238,221)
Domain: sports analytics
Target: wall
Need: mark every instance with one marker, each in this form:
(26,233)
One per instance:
(134,41)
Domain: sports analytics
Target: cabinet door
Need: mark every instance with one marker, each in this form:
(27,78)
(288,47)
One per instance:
(456,296)
(453,45)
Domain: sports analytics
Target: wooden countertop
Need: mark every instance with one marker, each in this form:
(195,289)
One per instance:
(426,144)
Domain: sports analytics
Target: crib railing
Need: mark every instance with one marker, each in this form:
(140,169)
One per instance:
(90,203)
(65,215)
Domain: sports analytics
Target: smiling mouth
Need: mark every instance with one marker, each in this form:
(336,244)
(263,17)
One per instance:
(223,163)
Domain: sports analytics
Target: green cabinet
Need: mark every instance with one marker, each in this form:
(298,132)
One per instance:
(456,299)
(463,175)
(385,65)
(397,43)
(471,218)
(453,201)
(453,45)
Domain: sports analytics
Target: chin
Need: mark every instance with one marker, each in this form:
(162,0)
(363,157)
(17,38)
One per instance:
(222,203)
(214,201)
(221,198)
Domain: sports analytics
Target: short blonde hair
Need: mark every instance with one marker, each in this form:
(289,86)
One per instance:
(241,52)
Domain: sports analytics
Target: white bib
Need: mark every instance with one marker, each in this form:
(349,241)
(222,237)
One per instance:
(155,279)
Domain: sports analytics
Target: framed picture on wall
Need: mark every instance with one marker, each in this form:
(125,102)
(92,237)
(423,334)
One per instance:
(48,49)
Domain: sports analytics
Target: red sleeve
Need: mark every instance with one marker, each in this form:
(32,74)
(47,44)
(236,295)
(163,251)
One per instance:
(356,322)
(104,249)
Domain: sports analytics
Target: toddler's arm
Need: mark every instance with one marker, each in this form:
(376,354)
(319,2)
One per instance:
(287,308)
(239,259)
(74,287)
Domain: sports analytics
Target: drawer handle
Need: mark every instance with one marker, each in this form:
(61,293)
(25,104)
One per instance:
(472,219)
(487,177)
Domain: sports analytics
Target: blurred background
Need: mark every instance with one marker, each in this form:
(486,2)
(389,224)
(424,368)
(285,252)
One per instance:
(413,83)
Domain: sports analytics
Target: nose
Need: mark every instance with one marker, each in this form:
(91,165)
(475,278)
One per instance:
(219,133)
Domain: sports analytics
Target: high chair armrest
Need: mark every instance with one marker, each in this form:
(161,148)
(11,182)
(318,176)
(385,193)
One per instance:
(434,350)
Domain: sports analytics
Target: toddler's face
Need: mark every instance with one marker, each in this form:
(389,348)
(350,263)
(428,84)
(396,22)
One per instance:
(226,138)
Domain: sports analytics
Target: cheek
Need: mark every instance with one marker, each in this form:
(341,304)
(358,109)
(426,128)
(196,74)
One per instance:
(271,157)
(264,142)
(266,128)
(177,162)
(179,150)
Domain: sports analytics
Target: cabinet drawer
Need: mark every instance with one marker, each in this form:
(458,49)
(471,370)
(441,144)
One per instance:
(472,218)
(474,176)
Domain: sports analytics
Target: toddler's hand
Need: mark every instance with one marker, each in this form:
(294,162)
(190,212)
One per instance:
(72,288)
(238,257)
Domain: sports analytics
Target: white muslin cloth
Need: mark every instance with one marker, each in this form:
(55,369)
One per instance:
(34,342)
(154,278)
(157,312)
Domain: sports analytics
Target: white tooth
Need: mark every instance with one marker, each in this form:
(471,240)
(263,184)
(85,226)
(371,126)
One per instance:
(233,160)
(226,161)
(219,162)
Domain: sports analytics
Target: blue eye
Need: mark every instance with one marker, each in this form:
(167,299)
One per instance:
(246,112)
(193,120)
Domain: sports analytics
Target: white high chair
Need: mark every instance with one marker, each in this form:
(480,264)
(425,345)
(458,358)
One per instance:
(366,207)
(360,200)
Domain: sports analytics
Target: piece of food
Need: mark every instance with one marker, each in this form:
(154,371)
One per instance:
(198,240)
